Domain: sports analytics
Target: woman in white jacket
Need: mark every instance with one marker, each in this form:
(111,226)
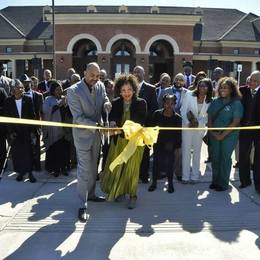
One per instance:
(194,114)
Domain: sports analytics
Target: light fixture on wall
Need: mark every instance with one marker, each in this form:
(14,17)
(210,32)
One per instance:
(142,60)
(61,59)
(103,59)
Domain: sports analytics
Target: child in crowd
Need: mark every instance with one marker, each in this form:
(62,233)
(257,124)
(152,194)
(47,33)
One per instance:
(167,142)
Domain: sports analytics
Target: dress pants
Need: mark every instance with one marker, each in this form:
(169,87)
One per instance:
(245,147)
(2,151)
(87,169)
(256,166)
(177,167)
(37,153)
(191,140)
(221,159)
(159,155)
(144,168)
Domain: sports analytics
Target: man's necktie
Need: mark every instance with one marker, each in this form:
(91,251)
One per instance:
(188,81)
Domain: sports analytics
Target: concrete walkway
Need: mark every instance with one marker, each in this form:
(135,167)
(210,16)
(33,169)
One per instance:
(39,221)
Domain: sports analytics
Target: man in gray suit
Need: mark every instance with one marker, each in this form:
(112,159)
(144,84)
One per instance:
(87,99)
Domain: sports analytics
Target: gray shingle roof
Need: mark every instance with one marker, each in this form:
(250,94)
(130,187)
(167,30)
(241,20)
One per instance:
(7,30)
(243,31)
(28,19)
(217,23)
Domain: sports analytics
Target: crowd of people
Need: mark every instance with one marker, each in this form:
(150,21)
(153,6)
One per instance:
(190,101)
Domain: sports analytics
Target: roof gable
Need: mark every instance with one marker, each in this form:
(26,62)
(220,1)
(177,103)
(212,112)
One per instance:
(243,30)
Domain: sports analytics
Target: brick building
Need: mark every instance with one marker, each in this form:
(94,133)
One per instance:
(119,37)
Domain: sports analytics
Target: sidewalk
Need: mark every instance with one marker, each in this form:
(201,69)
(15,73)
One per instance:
(39,221)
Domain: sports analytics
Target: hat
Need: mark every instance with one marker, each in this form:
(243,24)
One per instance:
(25,78)
(2,66)
(187,64)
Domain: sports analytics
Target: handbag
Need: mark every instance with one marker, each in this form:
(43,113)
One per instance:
(193,120)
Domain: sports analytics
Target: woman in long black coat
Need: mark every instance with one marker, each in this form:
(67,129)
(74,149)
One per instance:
(20,136)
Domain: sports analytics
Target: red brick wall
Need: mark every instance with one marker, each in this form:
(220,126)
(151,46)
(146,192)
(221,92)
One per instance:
(181,34)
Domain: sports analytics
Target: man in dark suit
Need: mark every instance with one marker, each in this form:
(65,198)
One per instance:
(187,71)
(251,117)
(67,82)
(148,93)
(37,99)
(20,136)
(43,86)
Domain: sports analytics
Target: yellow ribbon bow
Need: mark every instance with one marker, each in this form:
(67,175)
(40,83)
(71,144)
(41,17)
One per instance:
(137,136)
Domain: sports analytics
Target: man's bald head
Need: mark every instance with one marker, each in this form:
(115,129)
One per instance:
(139,73)
(92,73)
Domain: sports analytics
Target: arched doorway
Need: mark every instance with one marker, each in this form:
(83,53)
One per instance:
(161,59)
(84,52)
(122,58)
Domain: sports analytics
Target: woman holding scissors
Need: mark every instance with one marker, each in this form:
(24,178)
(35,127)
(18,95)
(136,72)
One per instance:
(124,178)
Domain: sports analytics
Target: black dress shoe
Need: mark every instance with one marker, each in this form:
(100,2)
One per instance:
(82,215)
(179,178)
(56,174)
(212,186)
(170,189)
(144,181)
(20,176)
(31,178)
(219,188)
(152,187)
(97,199)
(242,186)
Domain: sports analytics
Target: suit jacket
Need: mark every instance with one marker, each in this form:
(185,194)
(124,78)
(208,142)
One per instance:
(172,91)
(138,111)
(192,80)
(86,109)
(37,102)
(255,115)
(42,87)
(190,104)
(247,102)
(10,110)
(148,93)
(3,97)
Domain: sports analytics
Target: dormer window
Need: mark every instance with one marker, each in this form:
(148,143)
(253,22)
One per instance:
(91,9)
(46,10)
(155,10)
(123,9)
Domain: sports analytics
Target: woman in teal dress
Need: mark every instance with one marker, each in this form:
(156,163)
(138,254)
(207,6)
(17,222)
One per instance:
(124,178)
(225,111)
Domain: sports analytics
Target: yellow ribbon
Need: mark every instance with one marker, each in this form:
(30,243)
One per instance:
(135,133)
(14,120)
(137,136)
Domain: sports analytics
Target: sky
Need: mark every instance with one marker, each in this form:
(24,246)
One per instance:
(246,6)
